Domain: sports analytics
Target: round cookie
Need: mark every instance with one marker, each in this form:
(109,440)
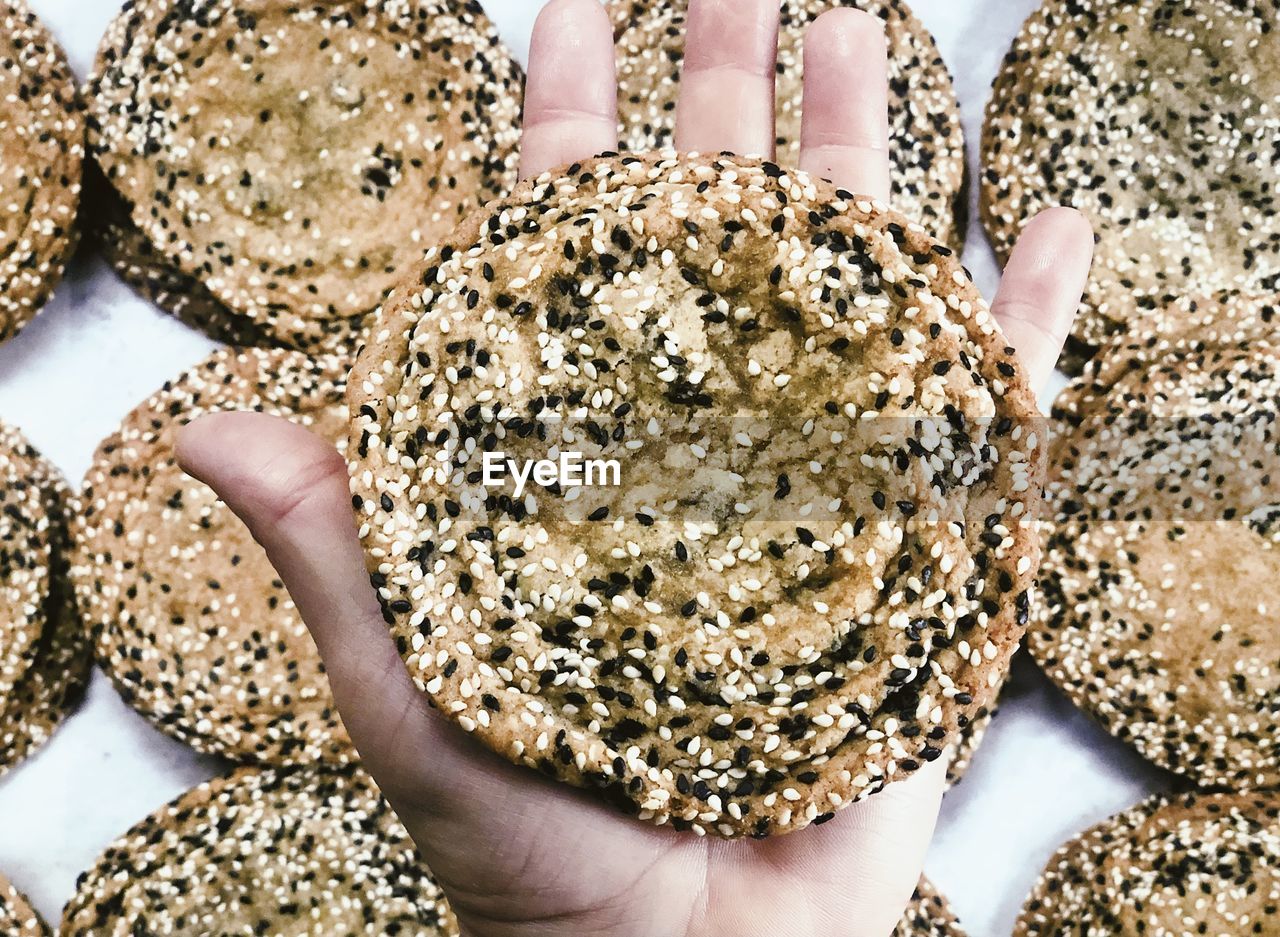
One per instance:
(1156,615)
(1156,119)
(41,151)
(1184,866)
(928,915)
(303,853)
(17,917)
(817,566)
(927,139)
(296,159)
(44,659)
(188,617)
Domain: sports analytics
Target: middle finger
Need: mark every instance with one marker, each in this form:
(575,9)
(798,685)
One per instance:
(727,85)
(846,102)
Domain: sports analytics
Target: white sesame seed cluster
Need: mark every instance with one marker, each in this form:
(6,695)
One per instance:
(1157,119)
(1193,865)
(816,567)
(302,853)
(1161,545)
(43,657)
(41,150)
(188,617)
(927,138)
(17,917)
(294,160)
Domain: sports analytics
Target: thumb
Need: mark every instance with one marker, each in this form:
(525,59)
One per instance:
(290,488)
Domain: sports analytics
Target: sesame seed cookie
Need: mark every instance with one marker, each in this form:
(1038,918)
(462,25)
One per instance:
(1193,865)
(41,151)
(44,659)
(188,617)
(928,915)
(297,158)
(1157,615)
(276,853)
(17,917)
(927,139)
(1155,118)
(1184,326)
(817,565)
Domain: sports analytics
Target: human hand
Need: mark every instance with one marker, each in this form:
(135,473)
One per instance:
(518,855)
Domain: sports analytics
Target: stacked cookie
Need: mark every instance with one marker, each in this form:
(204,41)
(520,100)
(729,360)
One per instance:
(1157,616)
(1156,118)
(265,172)
(43,654)
(927,140)
(41,149)
(271,170)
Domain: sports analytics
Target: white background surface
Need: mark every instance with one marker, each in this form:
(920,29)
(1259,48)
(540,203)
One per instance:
(1044,773)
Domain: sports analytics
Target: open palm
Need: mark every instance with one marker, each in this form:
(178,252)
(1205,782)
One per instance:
(518,855)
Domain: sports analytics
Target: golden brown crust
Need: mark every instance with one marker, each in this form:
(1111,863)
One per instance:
(972,735)
(928,915)
(44,659)
(1161,548)
(303,156)
(1173,866)
(47,693)
(17,917)
(300,853)
(154,275)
